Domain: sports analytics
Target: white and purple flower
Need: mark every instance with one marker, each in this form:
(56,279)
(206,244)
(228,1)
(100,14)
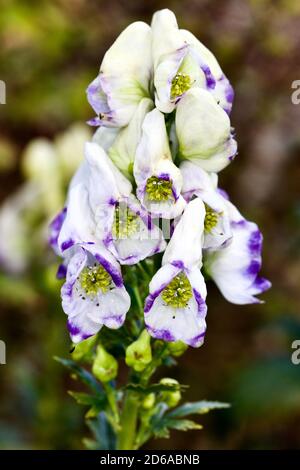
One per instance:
(93,294)
(182,62)
(158,179)
(175,309)
(101,207)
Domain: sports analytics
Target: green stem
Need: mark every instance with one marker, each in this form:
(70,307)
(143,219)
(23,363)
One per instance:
(126,438)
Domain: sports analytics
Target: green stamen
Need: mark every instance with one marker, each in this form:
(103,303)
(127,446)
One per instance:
(211,219)
(178,292)
(158,189)
(125,222)
(180,84)
(94,279)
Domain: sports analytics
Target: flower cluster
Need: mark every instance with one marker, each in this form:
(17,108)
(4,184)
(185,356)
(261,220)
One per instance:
(162,106)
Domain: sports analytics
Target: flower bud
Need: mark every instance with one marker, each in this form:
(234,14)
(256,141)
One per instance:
(171,398)
(83,349)
(148,401)
(177,348)
(105,366)
(138,354)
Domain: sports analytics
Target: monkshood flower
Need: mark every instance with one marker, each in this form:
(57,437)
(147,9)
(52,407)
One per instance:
(204,132)
(124,77)
(101,207)
(235,268)
(158,179)
(93,294)
(199,183)
(181,62)
(175,308)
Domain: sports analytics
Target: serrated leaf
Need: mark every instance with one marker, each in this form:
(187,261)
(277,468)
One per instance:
(198,407)
(81,373)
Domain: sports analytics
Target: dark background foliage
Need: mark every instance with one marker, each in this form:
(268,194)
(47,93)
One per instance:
(50,51)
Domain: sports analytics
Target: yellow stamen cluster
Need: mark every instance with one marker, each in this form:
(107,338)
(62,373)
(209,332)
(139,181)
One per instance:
(158,189)
(94,279)
(178,292)
(125,222)
(211,219)
(180,84)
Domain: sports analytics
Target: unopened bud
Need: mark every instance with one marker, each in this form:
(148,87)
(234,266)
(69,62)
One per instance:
(84,348)
(170,397)
(139,354)
(105,366)
(148,401)
(177,348)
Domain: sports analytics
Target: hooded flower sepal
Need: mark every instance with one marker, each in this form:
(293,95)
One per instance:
(182,62)
(158,179)
(124,77)
(235,269)
(175,308)
(204,132)
(93,294)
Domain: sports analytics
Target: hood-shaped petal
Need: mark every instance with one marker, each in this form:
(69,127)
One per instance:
(154,160)
(124,77)
(185,247)
(204,132)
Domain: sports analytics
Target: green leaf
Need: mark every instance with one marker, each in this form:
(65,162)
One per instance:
(183,424)
(81,373)
(86,399)
(198,407)
(104,435)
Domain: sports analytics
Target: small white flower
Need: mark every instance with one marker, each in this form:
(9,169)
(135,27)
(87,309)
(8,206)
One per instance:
(124,77)
(175,308)
(196,182)
(100,207)
(181,62)
(158,179)
(204,132)
(93,294)
(235,269)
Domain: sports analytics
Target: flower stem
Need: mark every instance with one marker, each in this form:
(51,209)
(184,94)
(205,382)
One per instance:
(126,438)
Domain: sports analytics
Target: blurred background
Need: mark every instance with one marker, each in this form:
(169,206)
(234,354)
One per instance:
(50,51)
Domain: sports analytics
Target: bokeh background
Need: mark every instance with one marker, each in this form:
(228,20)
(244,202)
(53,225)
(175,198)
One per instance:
(49,52)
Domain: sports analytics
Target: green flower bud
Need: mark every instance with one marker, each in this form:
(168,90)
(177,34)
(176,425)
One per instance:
(171,398)
(105,366)
(148,401)
(177,348)
(84,348)
(138,354)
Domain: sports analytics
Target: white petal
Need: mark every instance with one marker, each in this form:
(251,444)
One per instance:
(88,314)
(123,150)
(235,268)
(203,131)
(124,76)
(105,137)
(185,246)
(176,324)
